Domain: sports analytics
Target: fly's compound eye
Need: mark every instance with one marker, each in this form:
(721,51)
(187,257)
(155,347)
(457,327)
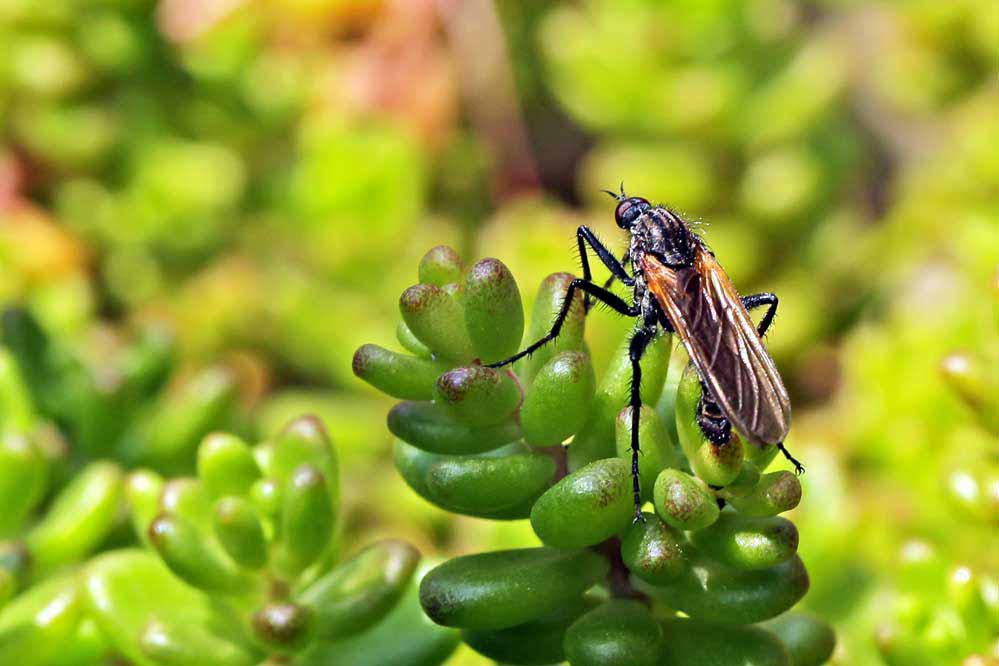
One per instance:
(629,210)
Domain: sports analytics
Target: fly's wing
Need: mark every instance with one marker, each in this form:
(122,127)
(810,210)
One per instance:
(721,340)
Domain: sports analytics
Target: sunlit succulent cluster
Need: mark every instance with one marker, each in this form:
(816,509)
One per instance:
(603,589)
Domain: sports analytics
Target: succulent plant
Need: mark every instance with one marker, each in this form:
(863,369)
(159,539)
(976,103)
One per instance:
(546,441)
(241,562)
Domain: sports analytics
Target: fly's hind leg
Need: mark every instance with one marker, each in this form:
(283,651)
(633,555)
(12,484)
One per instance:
(770,300)
(636,349)
(799,469)
(756,300)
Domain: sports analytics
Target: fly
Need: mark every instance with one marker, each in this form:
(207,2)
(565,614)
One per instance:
(679,287)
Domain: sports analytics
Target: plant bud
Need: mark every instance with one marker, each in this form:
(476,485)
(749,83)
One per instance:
(358,593)
(587,506)
(657,451)
(436,317)
(441,265)
(775,493)
(226,465)
(684,501)
(615,633)
(494,315)
(715,464)
(477,396)
(654,551)
(430,427)
(505,588)
(558,401)
(239,530)
(745,542)
(399,375)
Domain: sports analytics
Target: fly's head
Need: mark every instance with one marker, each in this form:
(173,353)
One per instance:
(629,209)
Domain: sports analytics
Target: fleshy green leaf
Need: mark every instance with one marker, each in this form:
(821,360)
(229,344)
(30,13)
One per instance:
(357,594)
(558,401)
(587,506)
(502,589)
(746,542)
(616,633)
(654,551)
(429,427)
(477,396)
(494,314)
(399,375)
(684,501)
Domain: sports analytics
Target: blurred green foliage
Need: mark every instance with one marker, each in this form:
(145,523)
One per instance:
(206,208)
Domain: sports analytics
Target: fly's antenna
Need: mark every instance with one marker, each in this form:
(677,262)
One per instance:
(617,197)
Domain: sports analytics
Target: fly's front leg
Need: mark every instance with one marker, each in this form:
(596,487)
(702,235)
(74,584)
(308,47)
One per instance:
(584,237)
(636,349)
(614,301)
(756,300)
(623,260)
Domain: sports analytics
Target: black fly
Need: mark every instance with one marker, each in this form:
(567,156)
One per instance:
(679,286)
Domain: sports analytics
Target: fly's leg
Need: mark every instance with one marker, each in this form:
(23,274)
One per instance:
(584,237)
(636,349)
(615,302)
(623,260)
(770,300)
(798,467)
(755,301)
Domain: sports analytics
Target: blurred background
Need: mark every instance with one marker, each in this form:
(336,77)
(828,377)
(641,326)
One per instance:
(249,185)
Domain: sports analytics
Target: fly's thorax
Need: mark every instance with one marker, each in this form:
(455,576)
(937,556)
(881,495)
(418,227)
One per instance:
(663,233)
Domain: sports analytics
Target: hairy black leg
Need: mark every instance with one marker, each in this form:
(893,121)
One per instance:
(586,236)
(755,301)
(770,299)
(798,467)
(615,302)
(639,343)
(623,260)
